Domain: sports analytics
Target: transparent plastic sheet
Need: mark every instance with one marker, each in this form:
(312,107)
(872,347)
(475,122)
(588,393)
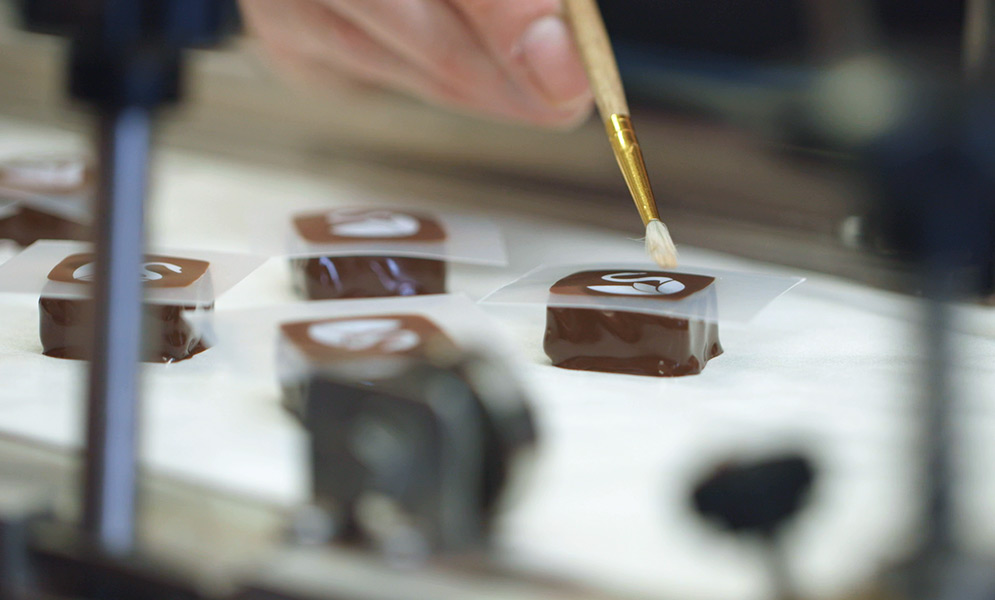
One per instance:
(59,185)
(8,250)
(252,343)
(737,296)
(30,272)
(8,207)
(76,207)
(381,231)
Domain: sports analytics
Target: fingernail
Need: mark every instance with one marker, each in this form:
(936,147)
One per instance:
(554,66)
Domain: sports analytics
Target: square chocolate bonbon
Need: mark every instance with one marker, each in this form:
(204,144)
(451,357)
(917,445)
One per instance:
(330,276)
(615,341)
(66,324)
(60,181)
(357,338)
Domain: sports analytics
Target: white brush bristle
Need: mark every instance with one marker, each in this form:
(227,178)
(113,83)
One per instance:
(659,245)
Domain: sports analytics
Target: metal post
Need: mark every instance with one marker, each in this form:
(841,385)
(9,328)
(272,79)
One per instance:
(937,434)
(110,470)
(978,44)
(938,572)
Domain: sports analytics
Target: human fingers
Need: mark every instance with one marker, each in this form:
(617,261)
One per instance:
(530,39)
(316,44)
(313,43)
(439,39)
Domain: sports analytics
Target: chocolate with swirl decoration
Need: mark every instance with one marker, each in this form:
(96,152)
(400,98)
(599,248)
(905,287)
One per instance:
(353,338)
(66,324)
(630,342)
(350,225)
(364,348)
(332,276)
(157,271)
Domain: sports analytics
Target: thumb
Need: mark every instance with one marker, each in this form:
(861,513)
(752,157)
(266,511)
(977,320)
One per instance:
(535,46)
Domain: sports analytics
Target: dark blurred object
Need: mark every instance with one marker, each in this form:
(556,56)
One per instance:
(125,52)
(936,180)
(757,497)
(167,22)
(773,30)
(935,174)
(415,462)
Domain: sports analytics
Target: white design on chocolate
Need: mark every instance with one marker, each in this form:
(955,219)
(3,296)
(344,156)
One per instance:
(639,284)
(45,172)
(365,334)
(372,224)
(85,273)
(88,271)
(148,275)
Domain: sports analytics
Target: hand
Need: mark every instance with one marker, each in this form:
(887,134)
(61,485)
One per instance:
(508,59)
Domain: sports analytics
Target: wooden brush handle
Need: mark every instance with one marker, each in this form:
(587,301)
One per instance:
(599,58)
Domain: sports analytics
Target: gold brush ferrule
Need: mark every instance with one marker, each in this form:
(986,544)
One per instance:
(630,160)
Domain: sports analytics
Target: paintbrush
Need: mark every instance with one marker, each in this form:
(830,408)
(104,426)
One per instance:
(606,84)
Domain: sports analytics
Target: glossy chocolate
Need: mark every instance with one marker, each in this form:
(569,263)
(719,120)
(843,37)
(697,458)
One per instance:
(629,342)
(66,324)
(352,225)
(332,278)
(66,327)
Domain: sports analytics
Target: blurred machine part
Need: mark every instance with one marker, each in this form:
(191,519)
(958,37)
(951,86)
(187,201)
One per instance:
(124,63)
(758,499)
(415,463)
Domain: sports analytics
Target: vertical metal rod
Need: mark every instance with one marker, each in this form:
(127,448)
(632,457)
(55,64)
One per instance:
(938,425)
(110,469)
(933,559)
(978,26)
